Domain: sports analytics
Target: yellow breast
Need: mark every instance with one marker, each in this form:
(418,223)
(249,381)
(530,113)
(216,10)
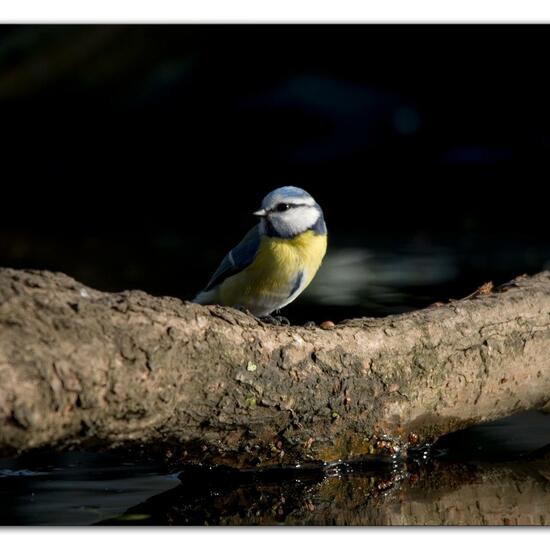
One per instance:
(270,279)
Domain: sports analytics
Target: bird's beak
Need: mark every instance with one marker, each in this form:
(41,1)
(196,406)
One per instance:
(262,212)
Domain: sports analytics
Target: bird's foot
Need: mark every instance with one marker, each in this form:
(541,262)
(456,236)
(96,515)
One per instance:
(310,324)
(243,310)
(277,320)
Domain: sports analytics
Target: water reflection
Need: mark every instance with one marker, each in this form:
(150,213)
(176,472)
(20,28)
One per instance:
(280,497)
(443,494)
(492,474)
(75,488)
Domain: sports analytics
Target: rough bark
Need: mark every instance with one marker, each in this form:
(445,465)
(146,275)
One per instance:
(79,367)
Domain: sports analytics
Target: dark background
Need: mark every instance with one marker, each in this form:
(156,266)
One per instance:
(133,156)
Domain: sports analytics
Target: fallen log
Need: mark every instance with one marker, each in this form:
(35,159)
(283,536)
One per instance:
(84,368)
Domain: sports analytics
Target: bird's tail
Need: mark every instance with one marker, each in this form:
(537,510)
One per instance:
(206,297)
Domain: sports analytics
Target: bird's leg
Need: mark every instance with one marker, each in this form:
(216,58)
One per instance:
(277,320)
(282,320)
(243,309)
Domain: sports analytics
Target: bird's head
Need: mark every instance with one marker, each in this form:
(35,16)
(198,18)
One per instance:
(289,211)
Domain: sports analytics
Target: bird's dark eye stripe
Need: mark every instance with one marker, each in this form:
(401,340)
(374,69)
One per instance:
(282,206)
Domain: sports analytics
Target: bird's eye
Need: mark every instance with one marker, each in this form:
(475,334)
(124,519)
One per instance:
(282,207)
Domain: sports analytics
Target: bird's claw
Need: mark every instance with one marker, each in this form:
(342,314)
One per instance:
(277,320)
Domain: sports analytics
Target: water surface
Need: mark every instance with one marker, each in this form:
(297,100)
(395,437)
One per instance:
(492,474)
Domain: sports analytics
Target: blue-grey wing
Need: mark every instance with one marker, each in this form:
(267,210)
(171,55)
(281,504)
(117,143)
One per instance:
(237,259)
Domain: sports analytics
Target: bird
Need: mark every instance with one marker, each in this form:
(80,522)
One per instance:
(276,260)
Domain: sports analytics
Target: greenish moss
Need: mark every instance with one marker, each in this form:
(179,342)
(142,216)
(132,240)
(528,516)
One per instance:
(250,402)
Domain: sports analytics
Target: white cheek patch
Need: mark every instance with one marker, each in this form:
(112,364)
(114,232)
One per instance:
(300,219)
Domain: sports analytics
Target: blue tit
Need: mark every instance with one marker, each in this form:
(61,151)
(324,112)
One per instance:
(276,260)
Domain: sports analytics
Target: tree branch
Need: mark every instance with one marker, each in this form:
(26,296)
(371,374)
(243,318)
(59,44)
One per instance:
(79,367)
